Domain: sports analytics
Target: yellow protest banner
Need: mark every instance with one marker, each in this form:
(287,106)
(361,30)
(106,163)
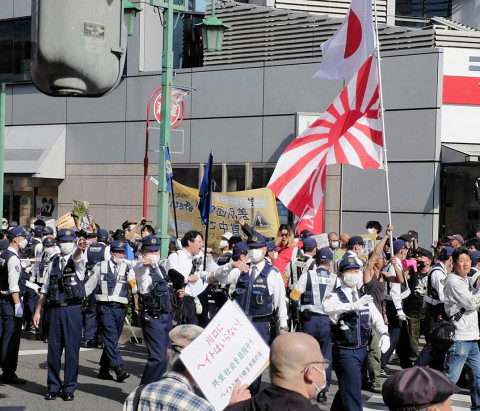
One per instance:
(258,207)
(65,221)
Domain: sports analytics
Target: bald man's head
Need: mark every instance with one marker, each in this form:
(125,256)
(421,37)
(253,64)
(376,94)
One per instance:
(291,358)
(344,237)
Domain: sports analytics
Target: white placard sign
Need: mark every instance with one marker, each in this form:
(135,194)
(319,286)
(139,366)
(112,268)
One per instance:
(228,350)
(369,245)
(322,240)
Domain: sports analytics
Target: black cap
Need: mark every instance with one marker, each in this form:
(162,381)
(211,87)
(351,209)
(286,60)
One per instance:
(417,386)
(356,239)
(406,237)
(413,233)
(234,239)
(424,252)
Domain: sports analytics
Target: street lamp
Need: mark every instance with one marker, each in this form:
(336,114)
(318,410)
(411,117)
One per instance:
(167,78)
(130,11)
(212,31)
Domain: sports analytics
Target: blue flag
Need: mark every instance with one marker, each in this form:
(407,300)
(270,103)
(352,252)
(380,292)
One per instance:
(205,193)
(168,169)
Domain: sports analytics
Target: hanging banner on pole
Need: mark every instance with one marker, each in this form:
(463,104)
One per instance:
(178,106)
(226,208)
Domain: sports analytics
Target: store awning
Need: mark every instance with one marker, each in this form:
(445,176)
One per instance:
(460,153)
(36,150)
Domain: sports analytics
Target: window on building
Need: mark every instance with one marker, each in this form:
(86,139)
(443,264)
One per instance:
(15,49)
(235,178)
(187,41)
(187,176)
(217,177)
(421,9)
(261,176)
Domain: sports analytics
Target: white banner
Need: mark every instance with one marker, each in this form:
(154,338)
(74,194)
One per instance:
(228,350)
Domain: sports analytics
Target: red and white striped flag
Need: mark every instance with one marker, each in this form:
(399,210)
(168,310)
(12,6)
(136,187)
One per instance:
(349,132)
(350,46)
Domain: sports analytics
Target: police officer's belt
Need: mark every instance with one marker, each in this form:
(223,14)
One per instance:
(69,304)
(262,318)
(111,304)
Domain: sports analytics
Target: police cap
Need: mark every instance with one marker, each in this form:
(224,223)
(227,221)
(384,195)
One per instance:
(49,242)
(102,235)
(118,245)
(309,244)
(66,235)
(271,246)
(256,240)
(324,254)
(347,263)
(355,240)
(151,243)
(239,249)
(47,230)
(16,232)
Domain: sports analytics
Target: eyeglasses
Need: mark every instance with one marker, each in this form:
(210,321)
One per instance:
(325,363)
(283,234)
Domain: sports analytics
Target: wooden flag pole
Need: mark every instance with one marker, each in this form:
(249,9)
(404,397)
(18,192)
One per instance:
(382,110)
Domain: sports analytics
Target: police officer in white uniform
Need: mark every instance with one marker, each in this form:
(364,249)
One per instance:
(311,288)
(353,316)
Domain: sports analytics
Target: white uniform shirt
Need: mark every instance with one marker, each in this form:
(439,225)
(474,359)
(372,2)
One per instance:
(276,288)
(14,268)
(318,281)
(438,277)
(334,308)
(79,269)
(95,277)
(182,261)
(142,275)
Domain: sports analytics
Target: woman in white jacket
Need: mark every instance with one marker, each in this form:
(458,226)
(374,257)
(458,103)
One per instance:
(461,305)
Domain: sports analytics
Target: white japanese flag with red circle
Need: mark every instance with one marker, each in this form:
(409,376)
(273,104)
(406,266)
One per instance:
(345,52)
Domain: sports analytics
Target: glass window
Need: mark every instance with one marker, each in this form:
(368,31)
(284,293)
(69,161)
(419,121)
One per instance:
(261,176)
(423,8)
(21,50)
(217,177)
(6,50)
(235,178)
(187,176)
(187,45)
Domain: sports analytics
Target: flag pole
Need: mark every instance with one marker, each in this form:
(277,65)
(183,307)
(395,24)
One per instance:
(341,199)
(385,162)
(174,212)
(208,217)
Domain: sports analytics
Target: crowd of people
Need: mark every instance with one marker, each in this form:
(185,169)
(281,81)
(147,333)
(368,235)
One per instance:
(353,309)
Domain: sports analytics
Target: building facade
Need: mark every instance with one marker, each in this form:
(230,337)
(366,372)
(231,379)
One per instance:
(248,103)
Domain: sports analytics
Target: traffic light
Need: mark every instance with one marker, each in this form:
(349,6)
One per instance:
(78,47)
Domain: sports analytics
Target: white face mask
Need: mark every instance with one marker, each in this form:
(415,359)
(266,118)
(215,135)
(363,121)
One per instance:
(351,279)
(274,256)
(295,240)
(335,244)
(223,244)
(22,244)
(131,226)
(4,226)
(255,254)
(49,251)
(371,230)
(66,248)
(154,257)
(117,260)
(317,388)
(32,226)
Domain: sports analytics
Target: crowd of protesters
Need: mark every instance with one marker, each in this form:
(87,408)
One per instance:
(73,286)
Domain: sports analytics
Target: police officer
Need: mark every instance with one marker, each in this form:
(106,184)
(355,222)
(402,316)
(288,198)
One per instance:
(353,315)
(12,288)
(64,290)
(155,302)
(97,252)
(110,280)
(434,355)
(39,272)
(260,292)
(311,288)
(397,320)
(302,262)
(227,257)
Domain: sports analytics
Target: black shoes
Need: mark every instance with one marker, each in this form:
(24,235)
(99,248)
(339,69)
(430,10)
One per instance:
(322,397)
(88,344)
(68,396)
(12,379)
(104,375)
(121,373)
(50,396)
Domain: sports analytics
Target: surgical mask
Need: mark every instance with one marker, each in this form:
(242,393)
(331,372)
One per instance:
(371,230)
(32,226)
(67,248)
(351,279)
(131,226)
(4,226)
(317,388)
(154,257)
(22,244)
(255,254)
(117,260)
(335,244)
(49,251)
(223,244)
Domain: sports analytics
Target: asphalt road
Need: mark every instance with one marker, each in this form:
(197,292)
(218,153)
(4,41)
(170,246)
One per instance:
(95,394)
